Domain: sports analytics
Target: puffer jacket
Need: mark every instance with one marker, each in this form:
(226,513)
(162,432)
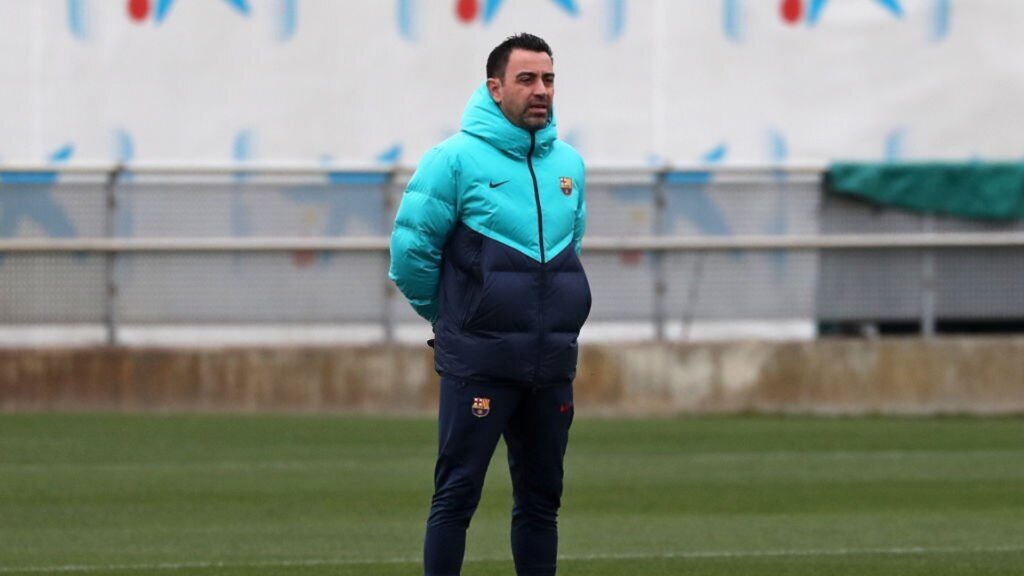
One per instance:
(486,247)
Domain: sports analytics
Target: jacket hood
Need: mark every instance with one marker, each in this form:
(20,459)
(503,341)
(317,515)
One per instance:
(485,120)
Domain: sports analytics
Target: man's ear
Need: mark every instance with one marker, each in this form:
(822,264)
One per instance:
(494,87)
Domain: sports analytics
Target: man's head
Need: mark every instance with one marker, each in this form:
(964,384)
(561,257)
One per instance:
(521,79)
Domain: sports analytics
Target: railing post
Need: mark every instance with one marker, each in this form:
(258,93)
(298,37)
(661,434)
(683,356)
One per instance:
(388,317)
(658,257)
(928,282)
(110,257)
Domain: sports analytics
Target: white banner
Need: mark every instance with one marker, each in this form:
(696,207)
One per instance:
(639,81)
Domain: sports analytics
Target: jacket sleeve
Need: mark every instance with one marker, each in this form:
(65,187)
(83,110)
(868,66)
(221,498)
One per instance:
(426,216)
(580,225)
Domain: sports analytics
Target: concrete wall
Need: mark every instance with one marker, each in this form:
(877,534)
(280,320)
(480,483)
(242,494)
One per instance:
(982,376)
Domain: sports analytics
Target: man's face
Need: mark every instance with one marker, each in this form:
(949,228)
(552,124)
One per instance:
(526,92)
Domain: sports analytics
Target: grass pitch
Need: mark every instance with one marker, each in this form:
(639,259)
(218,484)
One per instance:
(343,495)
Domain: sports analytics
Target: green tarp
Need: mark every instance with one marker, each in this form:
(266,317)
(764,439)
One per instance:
(969,190)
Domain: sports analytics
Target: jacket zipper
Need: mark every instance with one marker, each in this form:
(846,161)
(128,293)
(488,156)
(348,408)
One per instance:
(543,279)
(536,194)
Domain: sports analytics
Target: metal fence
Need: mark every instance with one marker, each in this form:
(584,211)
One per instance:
(307,246)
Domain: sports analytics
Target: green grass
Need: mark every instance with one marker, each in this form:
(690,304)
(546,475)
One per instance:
(342,495)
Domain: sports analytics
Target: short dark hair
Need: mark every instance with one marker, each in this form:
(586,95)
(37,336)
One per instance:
(498,60)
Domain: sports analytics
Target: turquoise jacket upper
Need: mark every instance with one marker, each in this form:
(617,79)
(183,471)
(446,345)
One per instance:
(486,244)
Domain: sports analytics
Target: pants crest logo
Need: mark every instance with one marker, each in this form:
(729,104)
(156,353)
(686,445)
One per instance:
(481,407)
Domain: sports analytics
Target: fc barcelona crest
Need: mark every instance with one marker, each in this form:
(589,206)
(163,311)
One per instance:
(566,185)
(481,407)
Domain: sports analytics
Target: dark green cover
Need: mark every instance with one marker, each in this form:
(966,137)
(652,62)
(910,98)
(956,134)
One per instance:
(970,190)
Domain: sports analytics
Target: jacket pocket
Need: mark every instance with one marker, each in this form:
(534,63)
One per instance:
(474,289)
(476,295)
(578,309)
(505,302)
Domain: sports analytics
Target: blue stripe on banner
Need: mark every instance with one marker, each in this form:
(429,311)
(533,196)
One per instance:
(404,16)
(391,155)
(569,6)
(124,215)
(357,178)
(490,10)
(28,177)
(240,224)
(688,177)
(778,148)
(892,6)
(242,6)
(124,148)
(162,8)
(732,19)
(76,19)
(288,20)
(814,12)
(616,19)
(242,149)
(894,145)
(716,155)
(59,156)
(940,19)
(62,154)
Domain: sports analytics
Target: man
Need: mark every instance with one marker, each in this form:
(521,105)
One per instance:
(485,247)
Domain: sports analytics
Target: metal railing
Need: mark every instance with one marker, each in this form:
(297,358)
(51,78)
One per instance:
(656,245)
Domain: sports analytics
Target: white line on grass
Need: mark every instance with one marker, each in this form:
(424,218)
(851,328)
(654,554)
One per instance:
(700,457)
(300,465)
(683,554)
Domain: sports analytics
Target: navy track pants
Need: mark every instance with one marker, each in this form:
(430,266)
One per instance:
(535,424)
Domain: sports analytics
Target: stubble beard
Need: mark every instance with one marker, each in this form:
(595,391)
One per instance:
(533,123)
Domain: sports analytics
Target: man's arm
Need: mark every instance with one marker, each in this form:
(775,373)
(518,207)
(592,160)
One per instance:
(426,216)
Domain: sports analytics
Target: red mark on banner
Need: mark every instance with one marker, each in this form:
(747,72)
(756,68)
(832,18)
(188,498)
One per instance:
(792,11)
(138,10)
(467,10)
(303,258)
(631,257)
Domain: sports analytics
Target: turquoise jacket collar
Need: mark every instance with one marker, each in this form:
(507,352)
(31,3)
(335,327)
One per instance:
(483,119)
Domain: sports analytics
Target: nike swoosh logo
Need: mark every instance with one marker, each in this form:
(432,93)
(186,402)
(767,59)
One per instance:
(493,185)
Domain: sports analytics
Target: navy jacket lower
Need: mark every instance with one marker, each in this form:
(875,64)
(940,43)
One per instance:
(506,318)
